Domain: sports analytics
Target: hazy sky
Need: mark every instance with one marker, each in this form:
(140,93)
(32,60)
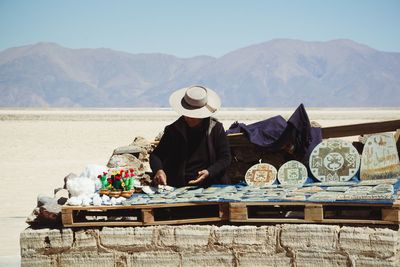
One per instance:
(204,27)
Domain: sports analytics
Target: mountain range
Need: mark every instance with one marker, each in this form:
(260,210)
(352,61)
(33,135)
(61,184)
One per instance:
(277,73)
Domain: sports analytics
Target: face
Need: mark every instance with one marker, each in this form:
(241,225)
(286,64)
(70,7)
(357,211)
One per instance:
(192,122)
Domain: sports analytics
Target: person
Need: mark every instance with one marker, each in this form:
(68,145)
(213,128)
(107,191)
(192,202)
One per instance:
(194,149)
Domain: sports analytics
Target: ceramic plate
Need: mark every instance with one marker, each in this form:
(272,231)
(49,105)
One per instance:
(334,160)
(261,174)
(292,173)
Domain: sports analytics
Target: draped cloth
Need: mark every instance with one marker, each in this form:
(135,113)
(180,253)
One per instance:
(295,136)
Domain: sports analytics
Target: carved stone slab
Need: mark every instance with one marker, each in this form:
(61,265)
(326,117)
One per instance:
(334,160)
(260,174)
(380,159)
(292,172)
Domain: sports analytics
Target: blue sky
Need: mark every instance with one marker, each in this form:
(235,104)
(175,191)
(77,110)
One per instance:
(190,28)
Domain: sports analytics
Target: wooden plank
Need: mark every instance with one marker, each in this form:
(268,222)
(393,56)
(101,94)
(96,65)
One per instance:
(313,212)
(104,223)
(224,211)
(147,216)
(66,217)
(187,221)
(238,212)
(358,129)
(392,215)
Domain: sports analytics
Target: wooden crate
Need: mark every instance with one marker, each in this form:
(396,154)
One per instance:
(152,214)
(302,212)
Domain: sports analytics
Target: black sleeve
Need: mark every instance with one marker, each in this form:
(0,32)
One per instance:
(222,152)
(160,153)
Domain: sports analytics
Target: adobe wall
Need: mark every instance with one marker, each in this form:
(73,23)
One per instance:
(206,245)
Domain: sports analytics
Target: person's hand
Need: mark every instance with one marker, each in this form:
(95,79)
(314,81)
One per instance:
(160,177)
(202,175)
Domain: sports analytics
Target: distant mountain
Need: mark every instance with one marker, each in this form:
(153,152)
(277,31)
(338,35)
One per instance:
(277,73)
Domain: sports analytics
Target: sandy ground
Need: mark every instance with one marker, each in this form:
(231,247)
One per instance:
(38,148)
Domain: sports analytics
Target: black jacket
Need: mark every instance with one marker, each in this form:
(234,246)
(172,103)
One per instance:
(170,153)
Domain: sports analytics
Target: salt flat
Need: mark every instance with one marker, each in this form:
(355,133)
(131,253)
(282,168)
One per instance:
(39,147)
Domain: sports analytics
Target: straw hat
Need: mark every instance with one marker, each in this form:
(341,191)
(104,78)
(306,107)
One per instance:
(195,101)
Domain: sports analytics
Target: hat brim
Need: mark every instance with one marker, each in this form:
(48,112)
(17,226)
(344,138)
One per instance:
(177,103)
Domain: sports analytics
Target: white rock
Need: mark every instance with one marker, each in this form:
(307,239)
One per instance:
(81,187)
(86,201)
(74,201)
(97,200)
(105,198)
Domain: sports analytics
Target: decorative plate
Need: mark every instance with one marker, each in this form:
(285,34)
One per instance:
(292,173)
(261,174)
(380,159)
(334,160)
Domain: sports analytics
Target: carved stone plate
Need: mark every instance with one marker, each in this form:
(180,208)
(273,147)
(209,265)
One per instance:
(334,160)
(260,174)
(380,159)
(292,172)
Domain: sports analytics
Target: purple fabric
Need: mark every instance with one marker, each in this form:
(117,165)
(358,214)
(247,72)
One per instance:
(296,135)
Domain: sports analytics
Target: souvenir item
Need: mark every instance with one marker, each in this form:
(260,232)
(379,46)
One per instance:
(261,174)
(292,173)
(376,182)
(380,159)
(334,160)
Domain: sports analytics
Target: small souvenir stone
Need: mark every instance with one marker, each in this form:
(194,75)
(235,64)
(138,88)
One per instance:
(376,182)
(380,159)
(261,174)
(324,196)
(292,172)
(334,160)
(337,188)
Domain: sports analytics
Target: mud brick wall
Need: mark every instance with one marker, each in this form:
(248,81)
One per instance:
(207,245)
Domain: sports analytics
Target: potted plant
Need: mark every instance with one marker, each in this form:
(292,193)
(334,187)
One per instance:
(115,186)
(126,184)
(104,184)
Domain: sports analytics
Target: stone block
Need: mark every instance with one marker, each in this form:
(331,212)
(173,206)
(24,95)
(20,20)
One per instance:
(145,236)
(156,258)
(309,237)
(208,258)
(117,237)
(166,236)
(227,235)
(373,261)
(127,238)
(38,261)
(87,259)
(45,241)
(224,234)
(369,241)
(33,241)
(325,259)
(254,259)
(192,235)
(249,235)
(86,240)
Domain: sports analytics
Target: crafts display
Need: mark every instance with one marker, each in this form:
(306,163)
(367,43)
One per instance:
(380,159)
(333,163)
(292,172)
(118,183)
(334,160)
(261,174)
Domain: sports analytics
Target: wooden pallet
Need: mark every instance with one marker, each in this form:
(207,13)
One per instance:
(302,212)
(152,214)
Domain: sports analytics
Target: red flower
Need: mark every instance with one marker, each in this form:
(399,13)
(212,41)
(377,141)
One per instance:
(104,173)
(109,180)
(99,176)
(118,177)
